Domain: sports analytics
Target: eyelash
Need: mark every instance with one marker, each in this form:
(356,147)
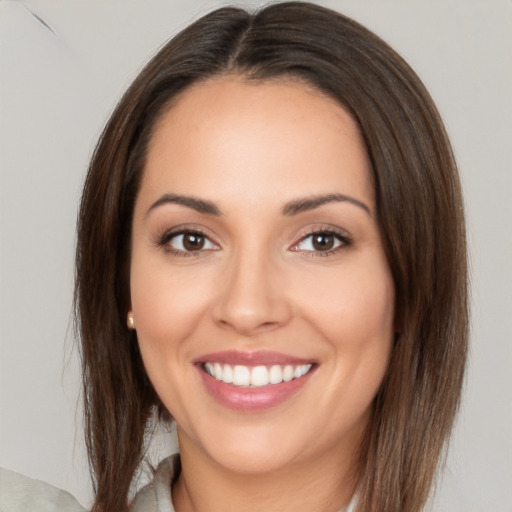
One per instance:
(164,241)
(342,238)
(166,238)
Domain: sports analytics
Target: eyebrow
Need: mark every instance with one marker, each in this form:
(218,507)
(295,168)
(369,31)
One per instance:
(199,205)
(291,208)
(303,205)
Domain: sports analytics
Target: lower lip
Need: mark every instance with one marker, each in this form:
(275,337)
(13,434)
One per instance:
(252,399)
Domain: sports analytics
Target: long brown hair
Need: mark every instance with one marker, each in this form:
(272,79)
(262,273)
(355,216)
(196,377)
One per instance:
(419,209)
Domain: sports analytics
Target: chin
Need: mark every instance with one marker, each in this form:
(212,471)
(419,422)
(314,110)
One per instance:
(249,448)
(253,460)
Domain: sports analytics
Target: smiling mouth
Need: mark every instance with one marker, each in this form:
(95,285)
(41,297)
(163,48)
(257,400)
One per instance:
(255,376)
(253,381)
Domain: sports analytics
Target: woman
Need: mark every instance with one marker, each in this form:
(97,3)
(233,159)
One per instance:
(271,251)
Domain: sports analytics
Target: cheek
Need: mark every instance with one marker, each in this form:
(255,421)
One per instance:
(354,312)
(165,302)
(353,306)
(167,305)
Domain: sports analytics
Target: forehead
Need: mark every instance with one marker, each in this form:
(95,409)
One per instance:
(229,133)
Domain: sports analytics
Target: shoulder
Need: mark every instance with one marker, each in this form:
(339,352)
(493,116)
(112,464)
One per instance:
(156,496)
(19,493)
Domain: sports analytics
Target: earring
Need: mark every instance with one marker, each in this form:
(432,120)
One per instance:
(130,321)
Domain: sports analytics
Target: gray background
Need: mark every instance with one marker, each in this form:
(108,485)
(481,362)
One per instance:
(57,86)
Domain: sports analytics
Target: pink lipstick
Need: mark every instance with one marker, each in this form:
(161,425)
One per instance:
(253,381)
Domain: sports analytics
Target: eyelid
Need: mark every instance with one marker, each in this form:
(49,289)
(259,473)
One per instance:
(338,233)
(163,240)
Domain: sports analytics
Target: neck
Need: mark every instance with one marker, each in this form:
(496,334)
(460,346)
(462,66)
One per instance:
(323,485)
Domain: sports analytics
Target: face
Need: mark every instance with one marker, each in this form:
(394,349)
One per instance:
(261,294)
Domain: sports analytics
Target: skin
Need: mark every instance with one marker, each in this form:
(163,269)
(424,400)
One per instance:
(258,283)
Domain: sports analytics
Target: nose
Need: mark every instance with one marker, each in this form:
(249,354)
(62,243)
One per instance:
(252,297)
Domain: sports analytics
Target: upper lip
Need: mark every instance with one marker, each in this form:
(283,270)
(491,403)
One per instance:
(246,358)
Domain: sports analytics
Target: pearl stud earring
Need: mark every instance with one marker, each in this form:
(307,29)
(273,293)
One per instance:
(130,321)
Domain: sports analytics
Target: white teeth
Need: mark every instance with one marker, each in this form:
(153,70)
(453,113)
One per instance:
(275,375)
(299,371)
(288,373)
(241,376)
(217,371)
(256,376)
(227,374)
(259,376)
(209,369)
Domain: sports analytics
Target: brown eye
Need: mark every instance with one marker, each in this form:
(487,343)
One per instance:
(193,242)
(323,241)
(187,242)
